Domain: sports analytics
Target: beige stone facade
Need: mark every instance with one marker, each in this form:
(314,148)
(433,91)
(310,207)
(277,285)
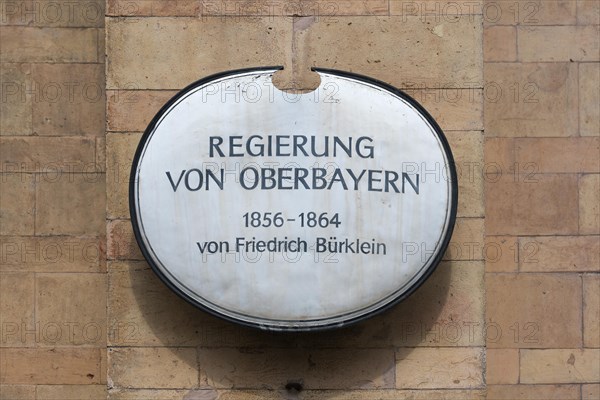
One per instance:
(511,313)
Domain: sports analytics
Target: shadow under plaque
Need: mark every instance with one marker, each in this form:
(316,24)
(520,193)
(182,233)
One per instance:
(231,356)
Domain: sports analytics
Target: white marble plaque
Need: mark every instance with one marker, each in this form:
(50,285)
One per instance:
(293,211)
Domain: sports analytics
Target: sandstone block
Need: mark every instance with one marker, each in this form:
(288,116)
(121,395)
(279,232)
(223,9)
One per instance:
(589,204)
(558,43)
(153,367)
(502,366)
(520,319)
(558,155)
(18,203)
(559,254)
(17,309)
(16,101)
(531,99)
(120,149)
(500,43)
(71,392)
(560,366)
(528,204)
(121,243)
(29,44)
(72,307)
(52,366)
(591,310)
(424,368)
(533,392)
(589,98)
(74,204)
(68,99)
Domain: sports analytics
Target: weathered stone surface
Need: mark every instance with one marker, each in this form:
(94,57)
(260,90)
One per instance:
(158,8)
(69,99)
(590,391)
(322,9)
(446,311)
(120,149)
(15,101)
(533,99)
(558,155)
(499,158)
(560,366)
(467,240)
(246,394)
(533,392)
(74,204)
(502,366)
(162,319)
(101,154)
(101,50)
(591,310)
(558,43)
(435,10)
(559,254)
(120,241)
(423,368)
(52,254)
(132,110)
(528,204)
(243,42)
(84,14)
(152,367)
(17,392)
(326,10)
(103,366)
(71,392)
(500,43)
(17,216)
(15,13)
(467,148)
(73,308)
(501,254)
(318,369)
(88,13)
(29,44)
(17,309)
(531,13)
(521,319)
(588,12)
(589,204)
(318,44)
(435,59)
(52,366)
(589,98)
(452,108)
(51,157)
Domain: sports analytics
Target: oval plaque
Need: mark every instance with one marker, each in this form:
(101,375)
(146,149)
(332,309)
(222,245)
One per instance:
(293,211)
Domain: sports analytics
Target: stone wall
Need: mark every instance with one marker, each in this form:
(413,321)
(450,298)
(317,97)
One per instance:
(53,278)
(511,313)
(542,200)
(178,351)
